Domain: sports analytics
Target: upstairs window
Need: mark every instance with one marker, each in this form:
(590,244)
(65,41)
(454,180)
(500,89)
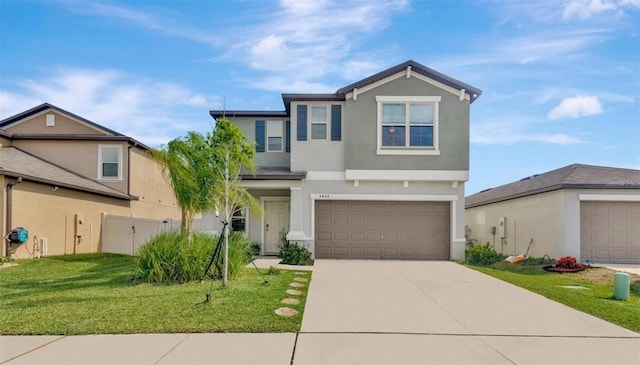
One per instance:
(319,122)
(109,162)
(274,136)
(407,125)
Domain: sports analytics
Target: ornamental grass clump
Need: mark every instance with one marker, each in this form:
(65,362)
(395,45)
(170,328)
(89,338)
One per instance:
(170,258)
(482,255)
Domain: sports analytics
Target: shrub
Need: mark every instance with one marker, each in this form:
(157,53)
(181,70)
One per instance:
(567,262)
(168,258)
(273,271)
(254,248)
(482,255)
(292,253)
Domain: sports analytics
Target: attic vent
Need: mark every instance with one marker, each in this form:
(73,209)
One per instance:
(51,120)
(529,177)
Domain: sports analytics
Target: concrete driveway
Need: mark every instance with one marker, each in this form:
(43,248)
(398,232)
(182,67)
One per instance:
(383,312)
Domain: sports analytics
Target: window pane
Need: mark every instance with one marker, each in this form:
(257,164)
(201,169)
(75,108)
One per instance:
(109,169)
(238,221)
(393,136)
(275,144)
(393,113)
(110,154)
(421,114)
(319,131)
(421,137)
(274,128)
(318,114)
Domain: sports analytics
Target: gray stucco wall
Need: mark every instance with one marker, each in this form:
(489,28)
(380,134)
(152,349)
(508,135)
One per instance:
(360,125)
(264,159)
(539,216)
(315,154)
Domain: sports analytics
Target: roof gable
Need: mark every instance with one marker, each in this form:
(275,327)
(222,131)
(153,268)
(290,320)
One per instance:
(576,176)
(45,107)
(416,69)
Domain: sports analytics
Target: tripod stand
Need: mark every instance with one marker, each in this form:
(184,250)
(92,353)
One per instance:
(214,259)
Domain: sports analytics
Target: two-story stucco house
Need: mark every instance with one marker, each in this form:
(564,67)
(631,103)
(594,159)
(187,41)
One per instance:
(375,170)
(62,175)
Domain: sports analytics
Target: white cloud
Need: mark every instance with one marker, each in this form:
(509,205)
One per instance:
(575,107)
(585,9)
(149,110)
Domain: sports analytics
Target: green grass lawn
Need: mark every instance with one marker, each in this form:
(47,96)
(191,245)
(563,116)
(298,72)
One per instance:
(95,294)
(596,299)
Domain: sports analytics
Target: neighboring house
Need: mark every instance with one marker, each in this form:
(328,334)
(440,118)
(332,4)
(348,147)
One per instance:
(375,170)
(588,212)
(60,172)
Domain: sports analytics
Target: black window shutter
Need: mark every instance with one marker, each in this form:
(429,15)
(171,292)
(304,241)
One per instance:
(302,123)
(260,135)
(287,136)
(336,122)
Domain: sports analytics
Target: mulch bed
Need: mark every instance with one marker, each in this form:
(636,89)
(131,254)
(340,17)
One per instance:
(560,269)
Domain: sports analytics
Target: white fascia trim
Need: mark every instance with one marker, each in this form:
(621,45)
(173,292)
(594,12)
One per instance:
(403,73)
(609,197)
(433,82)
(410,175)
(377,84)
(325,175)
(385,197)
(270,184)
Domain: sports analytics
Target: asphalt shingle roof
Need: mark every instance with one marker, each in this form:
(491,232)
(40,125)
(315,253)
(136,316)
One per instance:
(576,176)
(17,163)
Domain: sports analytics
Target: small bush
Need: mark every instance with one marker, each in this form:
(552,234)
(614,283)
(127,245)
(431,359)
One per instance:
(482,255)
(567,262)
(168,258)
(292,253)
(254,248)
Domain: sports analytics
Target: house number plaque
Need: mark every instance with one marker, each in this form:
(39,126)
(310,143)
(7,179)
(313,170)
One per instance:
(324,196)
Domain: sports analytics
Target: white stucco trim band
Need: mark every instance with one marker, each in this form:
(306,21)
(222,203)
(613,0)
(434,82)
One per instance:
(270,184)
(609,197)
(407,175)
(326,175)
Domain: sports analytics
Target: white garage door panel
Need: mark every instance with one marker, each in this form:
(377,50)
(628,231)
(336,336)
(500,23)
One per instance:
(385,229)
(610,232)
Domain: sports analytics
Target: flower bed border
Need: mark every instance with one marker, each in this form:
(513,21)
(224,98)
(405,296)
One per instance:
(558,269)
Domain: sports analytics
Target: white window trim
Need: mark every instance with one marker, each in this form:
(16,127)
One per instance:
(274,135)
(111,178)
(325,123)
(435,150)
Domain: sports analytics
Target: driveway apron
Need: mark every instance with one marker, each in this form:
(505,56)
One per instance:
(408,312)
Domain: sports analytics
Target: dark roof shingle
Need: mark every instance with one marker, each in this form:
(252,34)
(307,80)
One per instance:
(576,176)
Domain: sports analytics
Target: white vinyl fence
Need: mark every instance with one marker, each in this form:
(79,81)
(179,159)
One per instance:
(125,234)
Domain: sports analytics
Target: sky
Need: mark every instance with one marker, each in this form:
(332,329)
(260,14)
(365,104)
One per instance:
(560,79)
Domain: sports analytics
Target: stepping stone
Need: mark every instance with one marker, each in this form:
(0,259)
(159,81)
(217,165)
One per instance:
(286,312)
(294,292)
(290,301)
(297,285)
(301,280)
(298,273)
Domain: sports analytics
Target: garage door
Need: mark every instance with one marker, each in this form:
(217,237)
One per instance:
(382,230)
(609,232)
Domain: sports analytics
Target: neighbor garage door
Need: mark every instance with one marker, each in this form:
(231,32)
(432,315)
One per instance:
(609,232)
(382,230)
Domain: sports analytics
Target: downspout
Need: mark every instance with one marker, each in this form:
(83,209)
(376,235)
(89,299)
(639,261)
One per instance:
(129,170)
(9,206)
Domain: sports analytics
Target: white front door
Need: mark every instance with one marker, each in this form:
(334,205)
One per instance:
(276,223)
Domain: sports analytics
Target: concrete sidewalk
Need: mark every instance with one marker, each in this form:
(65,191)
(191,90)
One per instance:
(374,312)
